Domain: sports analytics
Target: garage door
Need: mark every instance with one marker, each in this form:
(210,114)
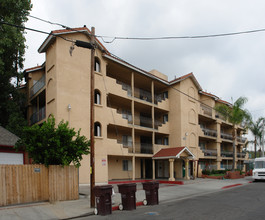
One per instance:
(11,158)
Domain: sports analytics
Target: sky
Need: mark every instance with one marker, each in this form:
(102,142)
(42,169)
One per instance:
(228,67)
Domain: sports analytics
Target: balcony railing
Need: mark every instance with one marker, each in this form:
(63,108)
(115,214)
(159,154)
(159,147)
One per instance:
(241,155)
(240,166)
(38,116)
(227,136)
(125,87)
(209,132)
(143,95)
(211,153)
(241,139)
(143,121)
(37,86)
(208,167)
(206,110)
(144,148)
(226,166)
(226,153)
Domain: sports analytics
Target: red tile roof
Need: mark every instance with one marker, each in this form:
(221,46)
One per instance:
(169,152)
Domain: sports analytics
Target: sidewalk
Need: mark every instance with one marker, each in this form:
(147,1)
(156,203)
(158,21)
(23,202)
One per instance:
(81,207)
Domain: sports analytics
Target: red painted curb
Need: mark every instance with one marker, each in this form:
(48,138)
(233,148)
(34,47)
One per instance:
(114,208)
(230,186)
(144,181)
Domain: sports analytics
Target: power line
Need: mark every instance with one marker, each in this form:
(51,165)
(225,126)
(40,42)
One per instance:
(113,38)
(179,37)
(35,30)
(49,22)
(89,46)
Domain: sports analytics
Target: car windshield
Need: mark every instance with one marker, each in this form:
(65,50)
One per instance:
(259,164)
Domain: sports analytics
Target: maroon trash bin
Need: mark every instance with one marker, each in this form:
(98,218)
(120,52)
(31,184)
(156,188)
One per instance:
(151,192)
(103,199)
(128,199)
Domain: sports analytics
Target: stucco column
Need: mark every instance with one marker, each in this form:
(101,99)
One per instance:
(187,169)
(154,166)
(171,170)
(133,167)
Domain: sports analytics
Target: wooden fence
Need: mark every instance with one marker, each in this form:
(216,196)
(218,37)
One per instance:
(35,183)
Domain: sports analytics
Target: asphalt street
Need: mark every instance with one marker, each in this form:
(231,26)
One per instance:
(243,202)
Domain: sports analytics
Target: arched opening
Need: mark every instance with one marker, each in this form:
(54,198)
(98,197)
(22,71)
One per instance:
(97,97)
(97,65)
(97,129)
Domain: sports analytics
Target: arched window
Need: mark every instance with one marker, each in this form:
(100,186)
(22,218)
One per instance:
(97,97)
(97,65)
(97,129)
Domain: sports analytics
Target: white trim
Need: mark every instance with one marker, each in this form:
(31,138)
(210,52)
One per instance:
(192,156)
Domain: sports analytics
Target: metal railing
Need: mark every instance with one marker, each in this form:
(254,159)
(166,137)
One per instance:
(37,86)
(226,166)
(125,87)
(38,116)
(206,110)
(241,139)
(211,153)
(142,95)
(226,154)
(209,132)
(241,155)
(226,136)
(208,167)
(144,148)
(143,121)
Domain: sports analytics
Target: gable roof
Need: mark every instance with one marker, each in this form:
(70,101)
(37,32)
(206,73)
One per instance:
(51,38)
(181,78)
(172,152)
(7,138)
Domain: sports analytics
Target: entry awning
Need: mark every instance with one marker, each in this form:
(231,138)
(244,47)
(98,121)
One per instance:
(173,152)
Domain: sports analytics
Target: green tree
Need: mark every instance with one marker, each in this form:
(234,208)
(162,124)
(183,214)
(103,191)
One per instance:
(236,115)
(256,128)
(51,145)
(12,50)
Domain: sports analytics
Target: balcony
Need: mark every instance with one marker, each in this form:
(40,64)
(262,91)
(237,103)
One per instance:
(209,153)
(226,153)
(226,166)
(227,136)
(241,155)
(38,116)
(125,87)
(143,95)
(241,139)
(37,86)
(144,148)
(209,132)
(143,121)
(206,110)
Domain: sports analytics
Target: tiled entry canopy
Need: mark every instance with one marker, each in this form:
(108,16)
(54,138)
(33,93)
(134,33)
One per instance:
(172,154)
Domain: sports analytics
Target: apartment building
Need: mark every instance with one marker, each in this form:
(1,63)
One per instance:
(146,127)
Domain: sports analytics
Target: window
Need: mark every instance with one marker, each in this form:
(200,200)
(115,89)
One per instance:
(97,64)
(159,141)
(127,141)
(97,129)
(126,165)
(97,97)
(165,95)
(165,118)
(166,141)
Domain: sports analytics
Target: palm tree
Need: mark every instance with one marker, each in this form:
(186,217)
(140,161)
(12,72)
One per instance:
(256,129)
(236,116)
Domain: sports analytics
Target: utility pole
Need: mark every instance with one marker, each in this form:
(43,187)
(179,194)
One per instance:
(90,46)
(92,146)
(263,139)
